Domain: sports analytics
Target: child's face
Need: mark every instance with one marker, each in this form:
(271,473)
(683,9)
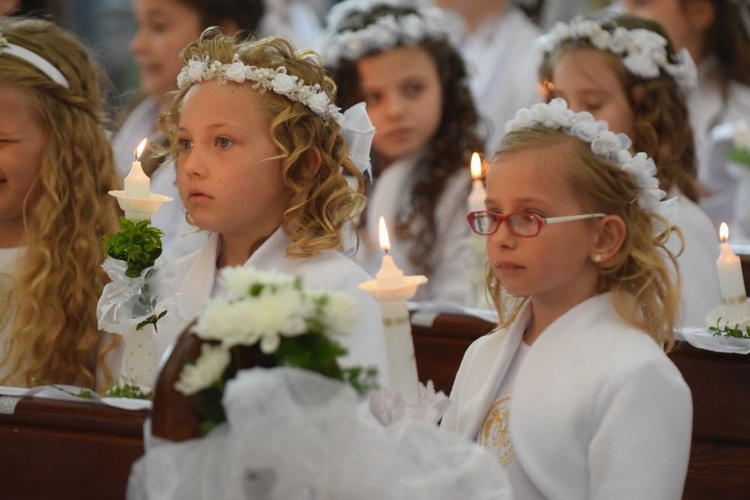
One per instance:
(22,144)
(227,175)
(404,100)
(586,79)
(555,266)
(165,27)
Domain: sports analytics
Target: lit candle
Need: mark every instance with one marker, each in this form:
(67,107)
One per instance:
(137,183)
(478,194)
(389,276)
(730,271)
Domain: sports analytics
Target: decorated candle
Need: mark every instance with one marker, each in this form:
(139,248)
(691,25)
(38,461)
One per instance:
(730,271)
(478,194)
(137,183)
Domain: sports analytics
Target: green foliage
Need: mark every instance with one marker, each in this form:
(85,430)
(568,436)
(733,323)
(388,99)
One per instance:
(740,156)
(137,243)
(127,390)
(728,331)
(151,320)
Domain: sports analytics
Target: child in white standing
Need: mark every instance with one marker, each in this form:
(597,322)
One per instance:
(260,162)
(400,60)
(625,71)
(573,391)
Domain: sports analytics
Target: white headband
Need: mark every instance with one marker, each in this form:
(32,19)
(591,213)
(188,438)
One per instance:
(35,60)
(642,52)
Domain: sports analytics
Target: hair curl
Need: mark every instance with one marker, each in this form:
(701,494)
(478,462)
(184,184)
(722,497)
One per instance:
(51,307)
(661,124)
(457,136)
(321,200)
(643,276)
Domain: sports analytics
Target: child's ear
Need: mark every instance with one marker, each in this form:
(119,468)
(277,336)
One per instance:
(610,238)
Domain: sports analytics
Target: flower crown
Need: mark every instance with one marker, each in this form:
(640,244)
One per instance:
(35,60)
(356,127)
(426,23)
(604,144)
(277,80)
(643,52)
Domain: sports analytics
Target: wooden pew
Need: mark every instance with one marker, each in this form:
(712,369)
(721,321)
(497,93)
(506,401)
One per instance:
(720,383)
(52,449)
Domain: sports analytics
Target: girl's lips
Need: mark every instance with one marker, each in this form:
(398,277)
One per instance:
(197,197)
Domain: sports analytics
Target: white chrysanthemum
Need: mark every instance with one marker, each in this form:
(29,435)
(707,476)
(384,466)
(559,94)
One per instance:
(238,280)
(339,314)
(207,369)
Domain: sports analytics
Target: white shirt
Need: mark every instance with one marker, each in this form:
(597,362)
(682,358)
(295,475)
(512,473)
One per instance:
(449,282)
(503,65)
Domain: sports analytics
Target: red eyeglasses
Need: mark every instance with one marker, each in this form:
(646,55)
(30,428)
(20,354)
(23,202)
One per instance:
(523,224)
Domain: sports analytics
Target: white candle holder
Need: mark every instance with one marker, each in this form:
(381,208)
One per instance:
(737,313)
(140,209)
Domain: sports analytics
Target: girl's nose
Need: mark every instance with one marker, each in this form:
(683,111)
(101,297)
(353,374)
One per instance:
(137,43)
(395,105)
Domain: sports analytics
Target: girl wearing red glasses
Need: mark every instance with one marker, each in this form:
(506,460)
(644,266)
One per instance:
(573,391)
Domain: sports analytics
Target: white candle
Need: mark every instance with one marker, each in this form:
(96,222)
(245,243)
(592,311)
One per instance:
(389,276)
(730,271)
(478,194)
(137,183)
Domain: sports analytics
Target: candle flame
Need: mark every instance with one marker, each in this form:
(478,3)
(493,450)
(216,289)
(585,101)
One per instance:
(476,166)
(139,150)
(723,232)
(385,242)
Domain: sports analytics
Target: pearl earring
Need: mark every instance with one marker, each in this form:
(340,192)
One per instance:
(597,257)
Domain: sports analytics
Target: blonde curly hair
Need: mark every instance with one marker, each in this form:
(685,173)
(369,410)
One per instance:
(50,309)
(644,275)
(321,200)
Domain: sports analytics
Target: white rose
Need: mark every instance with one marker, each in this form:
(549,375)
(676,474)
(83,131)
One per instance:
(195,70)
(319,103)
(236,72)
(283,84)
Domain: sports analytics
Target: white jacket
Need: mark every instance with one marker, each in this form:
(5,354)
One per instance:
(597,410)
(328,270)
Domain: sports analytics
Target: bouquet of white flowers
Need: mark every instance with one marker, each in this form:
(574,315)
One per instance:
(286,324)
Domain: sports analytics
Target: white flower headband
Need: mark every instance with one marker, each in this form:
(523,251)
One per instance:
(643,52)
(35,60)
(356,127)
(604,144)
(427,23)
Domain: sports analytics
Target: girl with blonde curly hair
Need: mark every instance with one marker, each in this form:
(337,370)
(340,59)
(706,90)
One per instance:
(56,167)
(262,164)
(624,70)
(573,391)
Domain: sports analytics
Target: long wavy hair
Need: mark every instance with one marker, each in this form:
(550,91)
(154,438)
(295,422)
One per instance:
(50,308)
(322,201)
(661,125)
(459,133)
(643,276)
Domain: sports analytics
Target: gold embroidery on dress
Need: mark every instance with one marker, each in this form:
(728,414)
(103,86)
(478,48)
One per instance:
(494,433)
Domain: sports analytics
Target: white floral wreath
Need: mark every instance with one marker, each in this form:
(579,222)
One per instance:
(604,144)
(427,23)
(643,52)
(356,127)
(276,79)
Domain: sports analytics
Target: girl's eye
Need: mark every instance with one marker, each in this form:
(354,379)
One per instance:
(223,142)
(185,144)
(371,98)
(413,89)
